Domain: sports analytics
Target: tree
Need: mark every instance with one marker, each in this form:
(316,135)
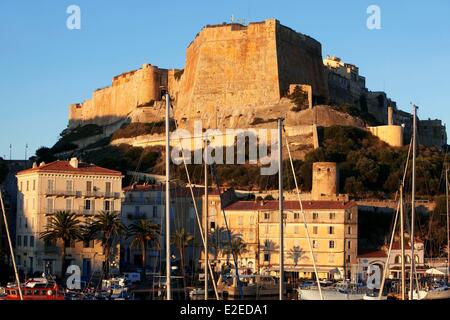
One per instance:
(296,254)
(238,247)
(181,240)
(143,231)
(216,241)
(64,226)
(107,228)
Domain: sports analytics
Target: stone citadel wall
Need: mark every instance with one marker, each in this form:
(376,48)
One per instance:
(127,92)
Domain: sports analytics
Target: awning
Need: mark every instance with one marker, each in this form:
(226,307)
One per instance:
(435,272)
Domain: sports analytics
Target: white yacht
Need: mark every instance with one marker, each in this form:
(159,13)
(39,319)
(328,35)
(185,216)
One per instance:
(338,291)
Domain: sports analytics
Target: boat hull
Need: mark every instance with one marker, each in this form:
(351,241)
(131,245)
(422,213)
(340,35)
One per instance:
(312,294)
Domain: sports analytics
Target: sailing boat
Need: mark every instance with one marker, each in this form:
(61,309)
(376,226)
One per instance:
(437,291)
(434,291)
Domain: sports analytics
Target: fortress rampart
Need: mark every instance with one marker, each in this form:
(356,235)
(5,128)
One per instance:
(128,91)
(234,67)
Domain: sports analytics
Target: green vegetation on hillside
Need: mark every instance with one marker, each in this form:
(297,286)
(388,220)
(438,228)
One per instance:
(369,167)
(67,137)
(300,99)
(135,129)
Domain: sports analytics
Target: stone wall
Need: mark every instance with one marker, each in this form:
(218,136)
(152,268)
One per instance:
(233,70)
(128,91)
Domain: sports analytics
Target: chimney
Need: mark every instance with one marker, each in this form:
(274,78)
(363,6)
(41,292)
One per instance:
(74,162)
(34,165)
(42,164)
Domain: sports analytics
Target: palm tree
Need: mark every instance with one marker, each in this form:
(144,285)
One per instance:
(296,254)
(107,227)
(238,247)
(181,240)
(216,242)
(64,226)
(143,231)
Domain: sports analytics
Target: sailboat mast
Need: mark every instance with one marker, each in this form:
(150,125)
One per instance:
(448,225)
(205,212)
(402,242)
(280,204)
(168,257)
(13,257)
(413,203)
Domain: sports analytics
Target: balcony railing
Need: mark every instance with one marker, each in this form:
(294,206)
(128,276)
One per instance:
(79,194)
(82,211)
(139,201)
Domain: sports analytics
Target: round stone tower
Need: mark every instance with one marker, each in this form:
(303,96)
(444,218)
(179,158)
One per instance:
(324,180)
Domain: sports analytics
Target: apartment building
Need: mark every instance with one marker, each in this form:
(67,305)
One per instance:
(332,228)
(148,201)
(84,189)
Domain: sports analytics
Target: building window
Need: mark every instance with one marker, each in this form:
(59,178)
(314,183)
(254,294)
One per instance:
(315,244)
(69,185)
(331,244)
(20,186)
(241,220)
(332,215)
(348,259)
(108,187)
(349,230)
(108,205)
(34,185)
(25,241)
(315,216)
(88,244)
(266,257)
(50,202)
(349,244)
(50,185)
(296,215)
(28,185)
(250,236)
(69,204)
(331,258)
(19,241)
(32,241)
(349,215)
(330,230)
(315,230)
(155,211)
(87,205)
(212,226)
(398,259)
(137,210)
(266,215)
(89,186)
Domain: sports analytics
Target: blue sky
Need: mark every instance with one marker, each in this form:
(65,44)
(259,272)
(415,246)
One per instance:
(44,66)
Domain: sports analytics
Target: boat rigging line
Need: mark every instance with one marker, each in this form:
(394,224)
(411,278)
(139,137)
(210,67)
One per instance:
(303,215)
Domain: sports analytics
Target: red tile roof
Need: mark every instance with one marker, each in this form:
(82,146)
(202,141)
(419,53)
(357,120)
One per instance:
(373,254)
(65,167)
(290,205)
